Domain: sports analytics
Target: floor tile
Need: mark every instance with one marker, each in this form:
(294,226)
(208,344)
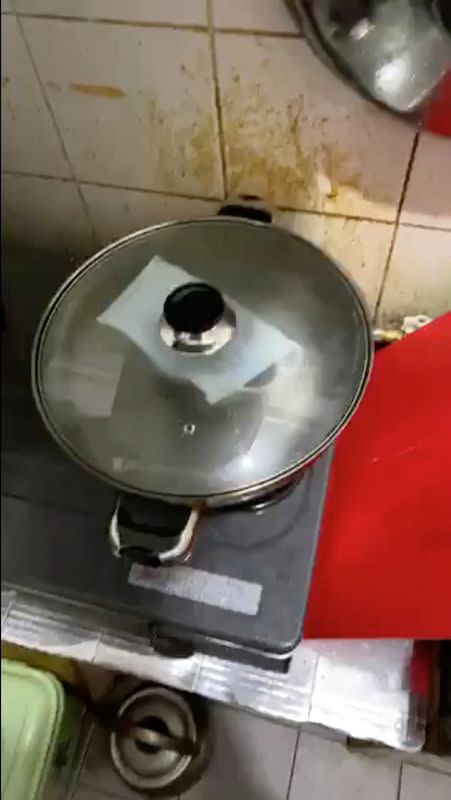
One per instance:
(173,11)
(98,772)
(29,140)
(422,784)
(135,105)
(97,680)
(87,793)
(46,213)
(117,212)
(429,761)
(325,769)
(359,247)
(257,15)
(428,196)
(297,135)
(419,277)
(252,759)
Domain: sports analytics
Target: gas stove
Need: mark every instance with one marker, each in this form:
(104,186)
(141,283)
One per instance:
(242,595)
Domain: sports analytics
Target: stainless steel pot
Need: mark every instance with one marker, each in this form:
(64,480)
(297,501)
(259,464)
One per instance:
(162,745)
(396,52)
(200,363)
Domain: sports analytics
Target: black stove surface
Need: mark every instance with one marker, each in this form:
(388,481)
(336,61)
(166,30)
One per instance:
(243,593)
(246,584)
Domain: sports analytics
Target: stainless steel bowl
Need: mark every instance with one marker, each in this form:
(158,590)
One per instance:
(395,52)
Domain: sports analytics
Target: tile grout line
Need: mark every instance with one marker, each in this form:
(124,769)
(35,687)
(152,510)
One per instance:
(77,782)
(293,764)
(58,132)
(138,23)
(380,291)
(39,175)
(399,787)
(404,188)
(407,762)
(333,214)
(87,182)
(259,32)
(97,238)
(217,96)
(217,199)
(130,23)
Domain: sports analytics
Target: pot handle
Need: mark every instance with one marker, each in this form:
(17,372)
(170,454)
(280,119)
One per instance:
(131,537)
(244,210)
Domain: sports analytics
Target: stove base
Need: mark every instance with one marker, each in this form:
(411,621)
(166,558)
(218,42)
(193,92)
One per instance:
(243,594)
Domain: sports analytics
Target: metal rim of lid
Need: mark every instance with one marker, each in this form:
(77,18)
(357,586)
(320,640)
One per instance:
(246,492)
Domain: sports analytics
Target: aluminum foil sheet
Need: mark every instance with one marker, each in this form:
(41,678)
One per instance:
(361,688)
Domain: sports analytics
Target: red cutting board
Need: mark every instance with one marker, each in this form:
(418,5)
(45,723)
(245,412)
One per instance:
(437,115)
(383,567)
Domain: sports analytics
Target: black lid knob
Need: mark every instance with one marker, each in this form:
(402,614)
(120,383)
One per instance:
(443,8)
(193,308)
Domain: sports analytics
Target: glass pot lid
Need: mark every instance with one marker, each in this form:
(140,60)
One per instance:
(201,359)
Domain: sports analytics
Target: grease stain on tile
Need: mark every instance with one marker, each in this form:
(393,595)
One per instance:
(301,138)
(54,85)
(105,113)
(269,156)
(98,90)
(188,150)
(5,80)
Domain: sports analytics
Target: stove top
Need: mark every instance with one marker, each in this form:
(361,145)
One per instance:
(243,593)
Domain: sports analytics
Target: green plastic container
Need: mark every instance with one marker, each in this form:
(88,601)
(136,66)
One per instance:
(40,726)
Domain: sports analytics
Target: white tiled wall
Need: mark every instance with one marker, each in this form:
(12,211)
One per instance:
(119,114)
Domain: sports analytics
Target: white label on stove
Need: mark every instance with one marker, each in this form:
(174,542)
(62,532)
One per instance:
(222,591)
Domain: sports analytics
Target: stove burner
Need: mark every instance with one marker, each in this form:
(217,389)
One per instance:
(260,504)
